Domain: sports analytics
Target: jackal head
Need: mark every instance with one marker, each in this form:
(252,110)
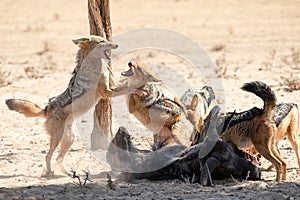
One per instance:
(138,75)
(97,44)
(198,103)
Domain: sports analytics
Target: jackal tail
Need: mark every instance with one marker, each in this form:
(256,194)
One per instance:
(25,107)
(263,91)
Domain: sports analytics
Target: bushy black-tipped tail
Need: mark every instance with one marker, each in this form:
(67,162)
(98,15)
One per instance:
(25,107)
(263,91)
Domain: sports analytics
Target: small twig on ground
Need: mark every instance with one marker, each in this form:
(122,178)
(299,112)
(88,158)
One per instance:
(74,175)
(193,178)
(187,179)
(248,175)
(236,181)
(87,177)
(110,184)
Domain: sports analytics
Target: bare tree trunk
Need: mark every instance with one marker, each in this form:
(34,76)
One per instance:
(99,19)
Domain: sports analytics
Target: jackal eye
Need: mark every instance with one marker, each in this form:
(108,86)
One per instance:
(102,41)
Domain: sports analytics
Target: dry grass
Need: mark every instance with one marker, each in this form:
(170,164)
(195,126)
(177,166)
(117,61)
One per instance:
(4,78)
(266,65)
(292,59)
(290,84)
(34,29)
(33,73)
(45,49)
(221,67)
(271,62)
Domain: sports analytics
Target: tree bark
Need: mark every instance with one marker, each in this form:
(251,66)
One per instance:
(99,20)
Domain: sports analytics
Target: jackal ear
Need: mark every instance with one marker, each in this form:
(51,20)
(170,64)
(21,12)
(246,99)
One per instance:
(195,101)
(81,41)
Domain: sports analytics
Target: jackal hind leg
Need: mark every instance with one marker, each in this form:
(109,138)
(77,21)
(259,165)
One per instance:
(272,166)
(294,138)
(276,153)
(55,128)
(265,145)
(66,143)
(267,153)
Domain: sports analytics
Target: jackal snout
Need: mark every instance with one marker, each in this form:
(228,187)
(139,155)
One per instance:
(140,73)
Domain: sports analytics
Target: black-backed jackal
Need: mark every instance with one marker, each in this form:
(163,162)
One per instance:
(163,116)
(198,103)
(91,80)
(259,130)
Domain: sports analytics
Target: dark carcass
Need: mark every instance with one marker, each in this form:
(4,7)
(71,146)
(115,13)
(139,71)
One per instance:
(210,159)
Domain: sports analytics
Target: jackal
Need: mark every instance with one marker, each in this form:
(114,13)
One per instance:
(198,103)
(286,117)
(259,130)
(90,81)
(165,117)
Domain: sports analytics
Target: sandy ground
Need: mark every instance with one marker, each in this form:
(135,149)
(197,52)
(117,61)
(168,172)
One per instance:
(249,40)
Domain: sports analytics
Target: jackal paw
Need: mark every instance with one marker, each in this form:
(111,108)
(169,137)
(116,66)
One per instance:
(47,174)
(64,171)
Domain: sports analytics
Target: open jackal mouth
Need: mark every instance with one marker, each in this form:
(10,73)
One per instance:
(129,72)
(107,51)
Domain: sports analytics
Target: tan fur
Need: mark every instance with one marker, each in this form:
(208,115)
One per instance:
(166,119)
(260,130)
(288,128)
(193,114)
(198,107)
(89,82)
(198,103)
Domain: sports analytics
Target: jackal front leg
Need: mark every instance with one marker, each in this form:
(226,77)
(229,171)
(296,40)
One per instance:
(108,87)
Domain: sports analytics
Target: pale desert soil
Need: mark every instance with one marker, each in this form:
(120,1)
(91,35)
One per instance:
(257,40)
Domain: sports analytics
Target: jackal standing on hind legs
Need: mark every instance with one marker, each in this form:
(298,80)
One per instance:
(90,81)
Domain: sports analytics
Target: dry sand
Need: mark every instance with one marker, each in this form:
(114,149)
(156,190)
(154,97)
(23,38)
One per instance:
(251,40)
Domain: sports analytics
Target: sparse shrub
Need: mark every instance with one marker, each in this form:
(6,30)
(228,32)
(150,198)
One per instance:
(32,73)
(221,67)
(290,84)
